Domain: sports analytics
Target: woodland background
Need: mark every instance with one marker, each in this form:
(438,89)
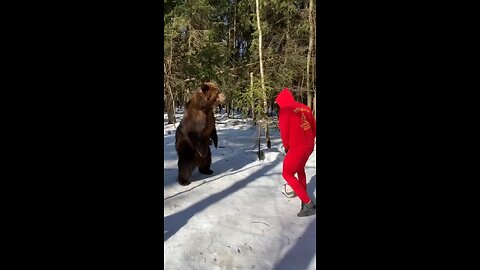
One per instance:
(251,48)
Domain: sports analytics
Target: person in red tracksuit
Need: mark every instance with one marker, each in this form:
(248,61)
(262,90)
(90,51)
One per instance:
(297,131)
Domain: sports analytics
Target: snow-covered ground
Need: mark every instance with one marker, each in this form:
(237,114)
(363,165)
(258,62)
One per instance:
(236,218)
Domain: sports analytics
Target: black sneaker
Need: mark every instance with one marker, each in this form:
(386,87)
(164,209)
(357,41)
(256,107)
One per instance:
(308,209)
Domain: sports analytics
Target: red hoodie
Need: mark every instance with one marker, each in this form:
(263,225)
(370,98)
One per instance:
(296,122)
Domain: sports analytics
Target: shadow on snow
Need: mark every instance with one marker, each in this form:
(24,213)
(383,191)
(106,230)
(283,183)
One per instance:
(176,221)
(302,253)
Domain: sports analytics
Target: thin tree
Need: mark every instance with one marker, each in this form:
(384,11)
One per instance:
(314,108)
(314,75)
(262,77)
(168,81)
(310,49)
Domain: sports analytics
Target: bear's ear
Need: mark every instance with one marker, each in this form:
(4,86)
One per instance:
(205,88)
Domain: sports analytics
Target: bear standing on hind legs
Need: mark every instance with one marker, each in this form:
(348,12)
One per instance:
(195,131)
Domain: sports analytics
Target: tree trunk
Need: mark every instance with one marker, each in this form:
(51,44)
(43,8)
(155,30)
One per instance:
(170,108)
(170,98)
(301,87)
(287,43)
(262,77)
(310,48)
(252,98)
(234,25)
(314,73)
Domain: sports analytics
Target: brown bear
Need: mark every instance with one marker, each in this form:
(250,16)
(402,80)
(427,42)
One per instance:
(195,131)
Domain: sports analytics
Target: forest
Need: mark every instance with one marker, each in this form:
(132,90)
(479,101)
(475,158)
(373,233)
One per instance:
(251,48)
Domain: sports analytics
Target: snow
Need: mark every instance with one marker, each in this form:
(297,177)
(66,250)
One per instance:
(236,218)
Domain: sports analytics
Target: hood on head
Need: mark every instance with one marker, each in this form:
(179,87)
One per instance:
(285,98)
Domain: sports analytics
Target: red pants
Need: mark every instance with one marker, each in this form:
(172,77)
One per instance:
(294,162)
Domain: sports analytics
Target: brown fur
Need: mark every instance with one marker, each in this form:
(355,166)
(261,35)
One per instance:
(195,130)
(195,117)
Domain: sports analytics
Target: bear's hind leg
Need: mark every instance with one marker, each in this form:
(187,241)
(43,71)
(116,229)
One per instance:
(184,171)
(186,163)
(205,162)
